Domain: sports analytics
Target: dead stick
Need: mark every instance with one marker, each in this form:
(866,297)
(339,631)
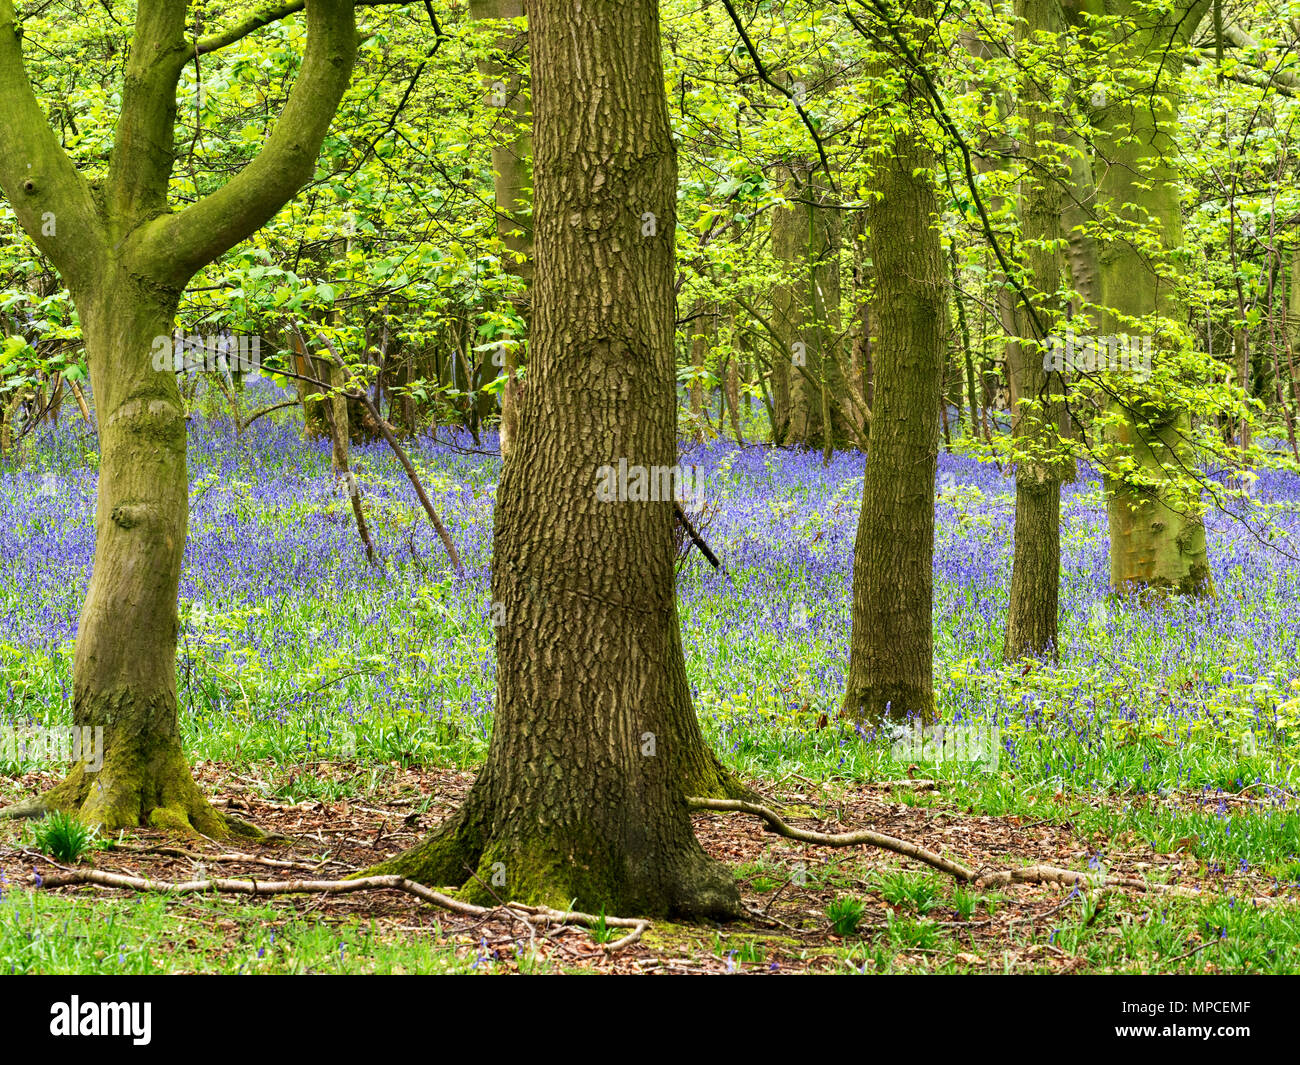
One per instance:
(696,538)
(198,856)
(513,910)
(402,457)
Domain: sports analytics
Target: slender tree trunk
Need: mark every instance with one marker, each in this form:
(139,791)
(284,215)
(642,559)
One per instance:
(1032,607)
(701,337)
(512,155)
(595,740)
(806,241)
(890,660)
(733,384)
(788,309)
(860,377)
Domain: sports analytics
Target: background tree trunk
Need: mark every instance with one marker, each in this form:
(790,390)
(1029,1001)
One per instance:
(1032,607)
(504,73)
(1157,535)
(891,650)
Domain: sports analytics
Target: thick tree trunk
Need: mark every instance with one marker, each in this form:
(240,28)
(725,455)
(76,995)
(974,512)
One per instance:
(126,257)
(595,741)
(1157,532)
(890,662)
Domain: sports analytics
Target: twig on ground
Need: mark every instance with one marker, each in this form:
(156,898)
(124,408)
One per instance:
(513,911)
(250,859)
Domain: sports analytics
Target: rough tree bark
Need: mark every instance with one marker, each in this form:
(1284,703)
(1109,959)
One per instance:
(595,741)
(126,258)
(890,659)
(1032,608)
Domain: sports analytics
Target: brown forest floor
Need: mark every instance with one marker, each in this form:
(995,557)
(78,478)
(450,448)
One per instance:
(793,934)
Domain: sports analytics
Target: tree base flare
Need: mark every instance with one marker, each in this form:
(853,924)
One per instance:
(585,872)
(165,798)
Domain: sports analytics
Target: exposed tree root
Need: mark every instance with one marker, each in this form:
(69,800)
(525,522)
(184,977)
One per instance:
(532,916)
(846,839)
(463,852)
(528,915)
(115,800)
(1030,874)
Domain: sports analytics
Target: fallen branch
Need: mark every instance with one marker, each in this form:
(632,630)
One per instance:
(198,856)
(386,432)
(529,915)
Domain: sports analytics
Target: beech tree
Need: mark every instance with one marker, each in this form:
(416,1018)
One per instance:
(127,254)
(1033,596)
(1157,531)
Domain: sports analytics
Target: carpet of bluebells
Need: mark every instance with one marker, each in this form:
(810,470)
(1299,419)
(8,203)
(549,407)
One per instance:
(292,647)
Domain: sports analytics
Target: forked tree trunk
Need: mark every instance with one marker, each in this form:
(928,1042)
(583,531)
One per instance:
(890,658)
(124,671)
(595,740)
(126,258)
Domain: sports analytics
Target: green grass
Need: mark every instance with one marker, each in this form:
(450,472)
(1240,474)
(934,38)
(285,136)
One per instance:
(150,934)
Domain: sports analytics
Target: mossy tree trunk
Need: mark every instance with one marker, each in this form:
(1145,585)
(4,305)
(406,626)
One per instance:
(891,650)
(1157,531)
(126,258)
(595,740)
